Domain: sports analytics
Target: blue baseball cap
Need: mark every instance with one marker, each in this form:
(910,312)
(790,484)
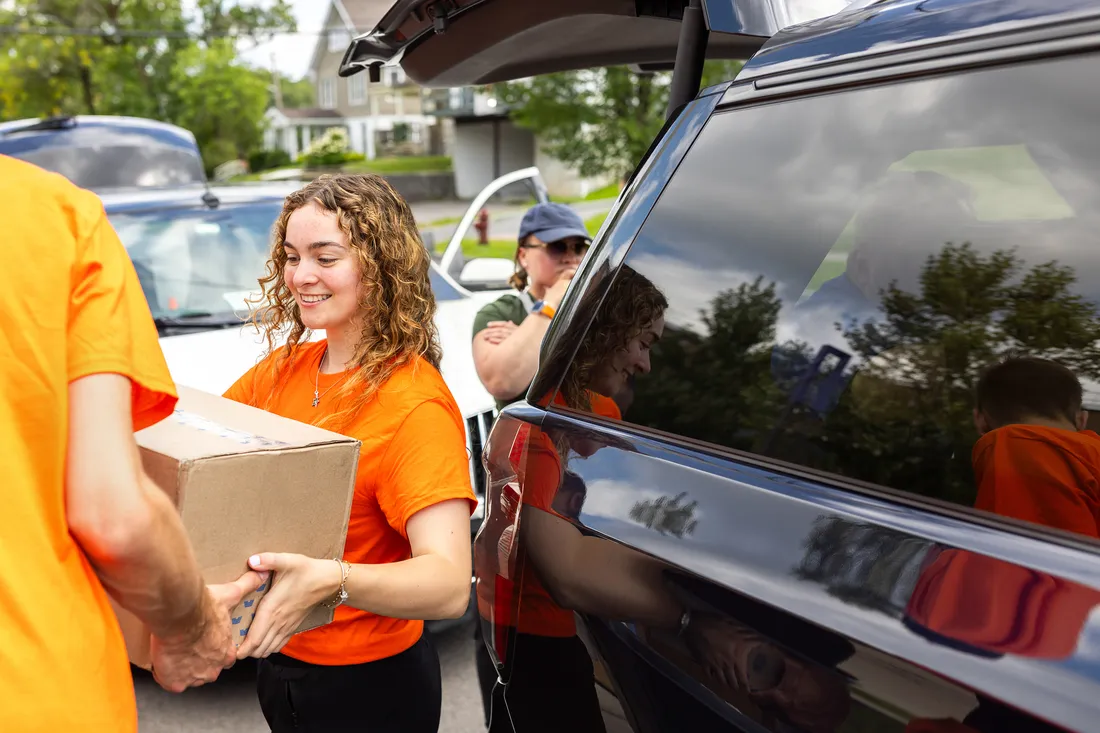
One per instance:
(552,222)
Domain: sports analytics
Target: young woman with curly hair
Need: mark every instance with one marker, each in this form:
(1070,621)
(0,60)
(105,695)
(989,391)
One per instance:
(347,260)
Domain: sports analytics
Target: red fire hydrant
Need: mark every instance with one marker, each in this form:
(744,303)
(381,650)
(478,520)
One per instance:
(482,226)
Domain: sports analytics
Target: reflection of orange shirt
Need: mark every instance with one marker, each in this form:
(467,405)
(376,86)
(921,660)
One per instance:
(73,309)
(540,475)
(413,455)
(1042,475)
(996,607)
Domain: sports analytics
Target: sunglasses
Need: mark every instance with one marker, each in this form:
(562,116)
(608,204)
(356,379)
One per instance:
(561,247)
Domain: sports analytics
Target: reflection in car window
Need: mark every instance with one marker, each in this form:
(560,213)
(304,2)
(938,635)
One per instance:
(198,261)
(842,271)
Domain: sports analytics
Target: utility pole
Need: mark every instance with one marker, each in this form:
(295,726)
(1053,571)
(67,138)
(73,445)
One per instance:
(276,86)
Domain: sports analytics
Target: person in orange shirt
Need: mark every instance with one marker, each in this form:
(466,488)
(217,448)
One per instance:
(1035,460)
(347,259)
(82,371)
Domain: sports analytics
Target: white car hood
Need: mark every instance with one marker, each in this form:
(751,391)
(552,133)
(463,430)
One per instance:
(213,360)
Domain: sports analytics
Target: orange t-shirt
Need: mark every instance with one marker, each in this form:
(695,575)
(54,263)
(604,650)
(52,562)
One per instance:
(1042,475)
(413,456)
(74,309)
(540,469)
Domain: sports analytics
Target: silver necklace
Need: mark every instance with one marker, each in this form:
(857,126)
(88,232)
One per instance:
(316,380)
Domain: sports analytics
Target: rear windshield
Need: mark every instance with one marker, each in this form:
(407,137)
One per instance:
(121,166)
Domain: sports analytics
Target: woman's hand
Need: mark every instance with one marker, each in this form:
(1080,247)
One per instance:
(299,584)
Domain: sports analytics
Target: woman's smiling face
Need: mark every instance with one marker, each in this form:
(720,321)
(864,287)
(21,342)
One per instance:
(322,271)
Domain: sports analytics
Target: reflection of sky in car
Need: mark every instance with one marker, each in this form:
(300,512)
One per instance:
(1005,181)
(790,221)
(202,261)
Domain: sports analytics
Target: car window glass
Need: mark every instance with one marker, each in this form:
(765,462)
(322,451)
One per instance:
(195,261)
(829,281)
(442,289)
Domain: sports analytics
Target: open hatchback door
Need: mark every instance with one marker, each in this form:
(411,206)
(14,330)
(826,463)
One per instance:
(454,43)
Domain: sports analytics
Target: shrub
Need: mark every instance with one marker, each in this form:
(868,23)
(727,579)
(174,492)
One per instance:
(265,160)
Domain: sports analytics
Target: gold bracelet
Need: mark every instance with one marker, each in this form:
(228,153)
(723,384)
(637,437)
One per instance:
(341,595)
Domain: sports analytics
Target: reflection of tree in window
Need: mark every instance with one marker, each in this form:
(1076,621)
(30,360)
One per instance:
(901,414)
(871,567)
(667,515)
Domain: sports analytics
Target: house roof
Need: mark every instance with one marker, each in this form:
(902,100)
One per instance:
(357,16)
(365,14)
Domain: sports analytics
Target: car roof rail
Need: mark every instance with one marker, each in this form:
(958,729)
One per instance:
(56,122)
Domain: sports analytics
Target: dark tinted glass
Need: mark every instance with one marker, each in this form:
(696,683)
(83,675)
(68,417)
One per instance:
(841,269)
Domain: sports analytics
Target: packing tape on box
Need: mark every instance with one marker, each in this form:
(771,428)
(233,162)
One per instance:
(194,420)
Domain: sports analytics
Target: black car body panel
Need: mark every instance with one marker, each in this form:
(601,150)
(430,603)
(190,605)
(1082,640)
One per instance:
(882,205)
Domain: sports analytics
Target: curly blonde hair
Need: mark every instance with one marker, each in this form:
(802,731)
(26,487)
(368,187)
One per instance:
(632,302)
(398,305)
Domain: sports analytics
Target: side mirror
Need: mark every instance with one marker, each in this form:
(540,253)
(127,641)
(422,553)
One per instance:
(487,273)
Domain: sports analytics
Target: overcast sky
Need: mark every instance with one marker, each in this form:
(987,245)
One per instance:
(291,52)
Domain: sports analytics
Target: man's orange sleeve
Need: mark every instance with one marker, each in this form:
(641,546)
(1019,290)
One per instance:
(110,328)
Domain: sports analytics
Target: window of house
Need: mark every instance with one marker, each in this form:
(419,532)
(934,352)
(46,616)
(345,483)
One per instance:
(395,77)
(840,270)
(338,40)
(326,93)
(357,89)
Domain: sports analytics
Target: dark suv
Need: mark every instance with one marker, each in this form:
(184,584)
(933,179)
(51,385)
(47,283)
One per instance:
(806,449)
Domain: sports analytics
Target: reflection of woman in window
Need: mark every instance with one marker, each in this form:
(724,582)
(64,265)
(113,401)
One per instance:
(558,692)
(570,571)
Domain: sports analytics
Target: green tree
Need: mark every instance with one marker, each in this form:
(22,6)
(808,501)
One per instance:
(220,100)
(147,58)
(297,94)
(715,383)
(909,422)
(895,406)
(601,121)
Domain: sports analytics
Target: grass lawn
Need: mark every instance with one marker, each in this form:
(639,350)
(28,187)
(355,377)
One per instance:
(410,164)
(593,223)
(503,248)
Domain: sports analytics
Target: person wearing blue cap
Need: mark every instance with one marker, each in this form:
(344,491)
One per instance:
(508,331)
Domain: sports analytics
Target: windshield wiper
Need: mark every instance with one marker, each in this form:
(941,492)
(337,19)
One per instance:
(199,321)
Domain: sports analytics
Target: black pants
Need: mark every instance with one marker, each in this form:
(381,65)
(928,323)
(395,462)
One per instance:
(402,693)
(552,689)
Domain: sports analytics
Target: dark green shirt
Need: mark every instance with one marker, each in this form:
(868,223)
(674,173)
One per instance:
(507,307)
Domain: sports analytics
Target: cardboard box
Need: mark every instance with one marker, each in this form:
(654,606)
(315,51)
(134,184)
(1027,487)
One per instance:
(247,481)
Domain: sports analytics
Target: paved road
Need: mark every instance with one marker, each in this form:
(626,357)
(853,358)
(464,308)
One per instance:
(229,705)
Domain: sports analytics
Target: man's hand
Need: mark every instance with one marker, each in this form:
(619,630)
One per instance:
(197,658)
(557,291)
(497,331)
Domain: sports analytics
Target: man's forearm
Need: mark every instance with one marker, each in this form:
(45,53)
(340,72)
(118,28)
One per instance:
(516,359)
(154,574)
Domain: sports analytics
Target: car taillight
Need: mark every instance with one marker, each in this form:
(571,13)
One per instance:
(494,546)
